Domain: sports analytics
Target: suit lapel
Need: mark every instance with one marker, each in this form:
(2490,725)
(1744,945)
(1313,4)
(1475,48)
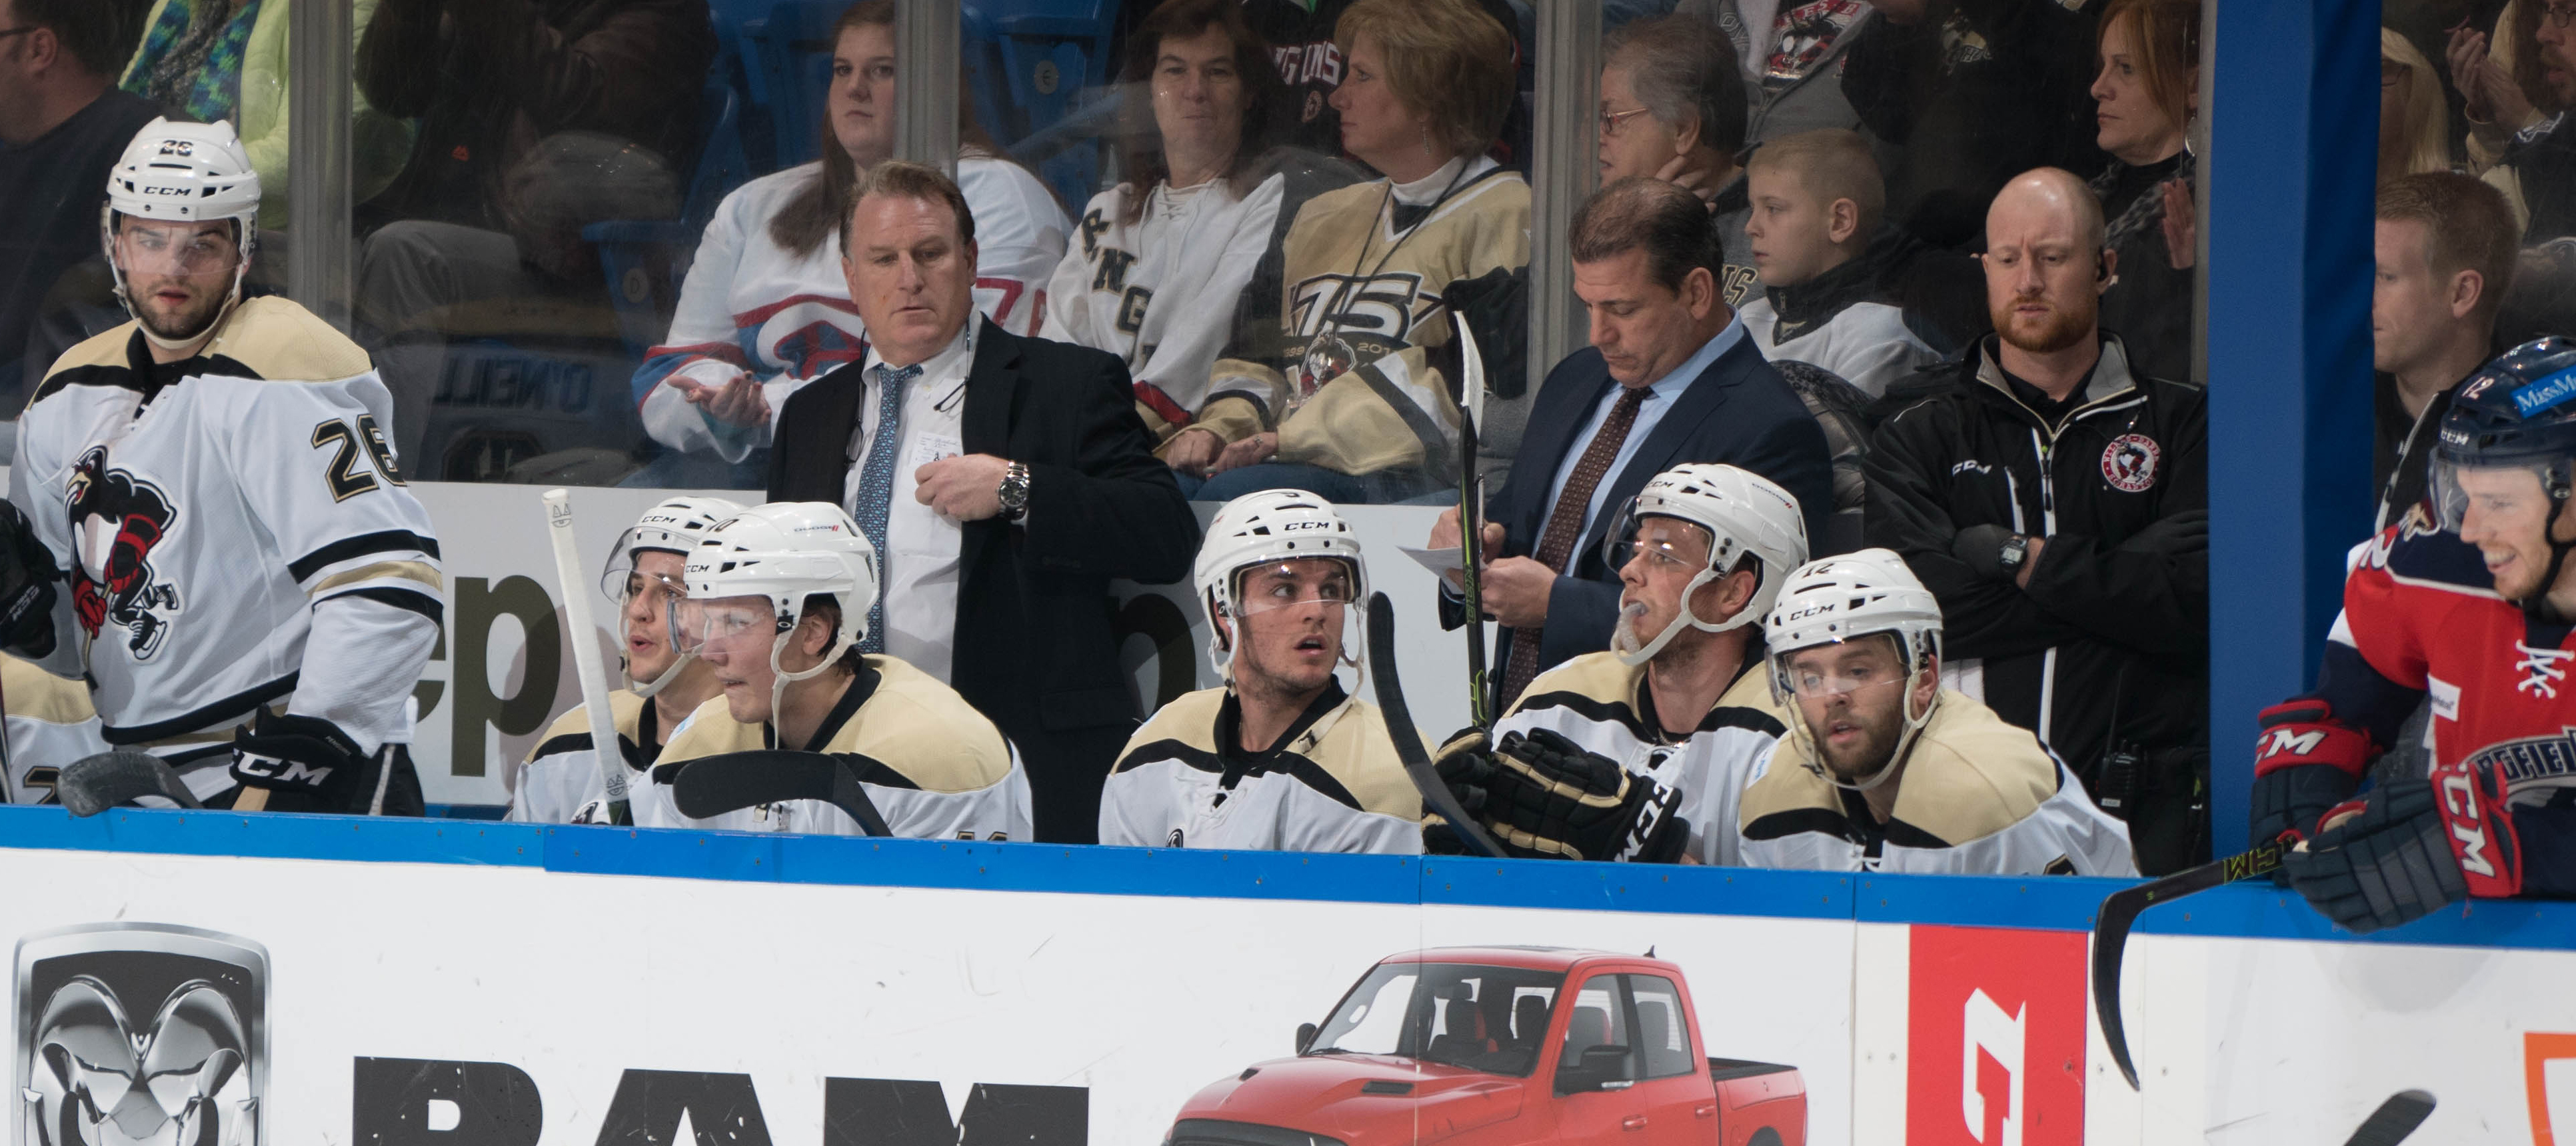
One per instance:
(824,431)
(1698,401)
(985,428)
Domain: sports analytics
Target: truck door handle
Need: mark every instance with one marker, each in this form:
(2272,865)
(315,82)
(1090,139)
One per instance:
(1633,1122)
(1704,1110)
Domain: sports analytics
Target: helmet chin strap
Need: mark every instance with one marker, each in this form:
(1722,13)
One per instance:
(781,678)
(125,297)
(2538,607)
(1623,635)
(648,688)
(1914,723)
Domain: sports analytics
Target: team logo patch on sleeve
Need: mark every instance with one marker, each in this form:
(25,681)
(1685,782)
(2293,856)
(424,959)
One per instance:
(2130,462)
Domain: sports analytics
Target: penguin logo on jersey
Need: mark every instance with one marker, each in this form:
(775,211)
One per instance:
(2129,463)
(140,1032)
(117,520)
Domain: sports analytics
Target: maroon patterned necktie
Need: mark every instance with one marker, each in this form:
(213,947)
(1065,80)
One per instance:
(1565,526)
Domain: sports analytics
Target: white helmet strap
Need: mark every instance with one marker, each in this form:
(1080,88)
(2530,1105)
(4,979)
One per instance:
(1684,616)
(842,641)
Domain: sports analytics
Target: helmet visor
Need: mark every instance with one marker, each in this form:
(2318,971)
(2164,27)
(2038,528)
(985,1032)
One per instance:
(728,625)
(1667,543)
(173,251)
(1326,581)
(2498,500)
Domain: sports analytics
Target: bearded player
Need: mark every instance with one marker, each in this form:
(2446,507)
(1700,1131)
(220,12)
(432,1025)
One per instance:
(214,480)
(2468,601)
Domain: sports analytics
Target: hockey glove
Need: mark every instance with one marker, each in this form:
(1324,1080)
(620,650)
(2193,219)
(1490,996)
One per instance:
(2391,864)
(1981,548)
(2305,763)
(27,576)
(1547,797)
(305,754)
(1465,768)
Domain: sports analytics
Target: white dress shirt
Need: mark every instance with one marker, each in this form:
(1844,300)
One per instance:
(917,574)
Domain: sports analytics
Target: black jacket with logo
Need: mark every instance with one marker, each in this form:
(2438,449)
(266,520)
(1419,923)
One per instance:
(2110,642)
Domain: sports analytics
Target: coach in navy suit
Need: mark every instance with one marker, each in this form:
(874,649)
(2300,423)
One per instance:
(1670,377)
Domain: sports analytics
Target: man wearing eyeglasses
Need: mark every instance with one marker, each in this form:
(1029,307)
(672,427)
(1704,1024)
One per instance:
(1672,108)
(2540,161)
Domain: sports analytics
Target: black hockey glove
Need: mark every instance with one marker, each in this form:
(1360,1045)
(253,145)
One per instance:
(27,576)
(304,754)
(1465,768)
(2388,865)
(1981,548)
(1547,797)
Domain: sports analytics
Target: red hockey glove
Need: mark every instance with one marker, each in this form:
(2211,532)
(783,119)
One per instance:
(2305,763)
(2472,798)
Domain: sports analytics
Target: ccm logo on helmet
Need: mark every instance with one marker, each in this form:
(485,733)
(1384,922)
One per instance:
(1810,611)
(1293,526)
(179,192)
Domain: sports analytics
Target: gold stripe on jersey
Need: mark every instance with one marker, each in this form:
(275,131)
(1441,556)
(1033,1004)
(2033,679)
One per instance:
(625,715)
(33,693)
(1601,687)
(1349,747)
(276,339)
(420,571)
(911,723)
(1969,775)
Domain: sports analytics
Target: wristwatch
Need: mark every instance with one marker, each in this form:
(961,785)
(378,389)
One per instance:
(1014,492)
(2016,547)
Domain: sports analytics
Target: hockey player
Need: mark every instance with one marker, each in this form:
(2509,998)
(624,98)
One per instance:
(777,602)
(1678,703)
(560,782)
(1882,770)
(1280,758)
(215,482)
(2473,610)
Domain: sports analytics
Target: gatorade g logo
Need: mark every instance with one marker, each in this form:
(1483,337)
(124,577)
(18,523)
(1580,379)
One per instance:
(132,1033)
(1995,1037)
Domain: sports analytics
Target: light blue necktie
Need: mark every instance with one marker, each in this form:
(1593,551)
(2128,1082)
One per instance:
(876,486)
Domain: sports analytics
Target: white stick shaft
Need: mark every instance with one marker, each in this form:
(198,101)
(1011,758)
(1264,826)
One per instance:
(585,646)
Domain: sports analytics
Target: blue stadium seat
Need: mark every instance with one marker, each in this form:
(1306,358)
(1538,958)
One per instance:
(787,64)
(1041,65)
(646,259)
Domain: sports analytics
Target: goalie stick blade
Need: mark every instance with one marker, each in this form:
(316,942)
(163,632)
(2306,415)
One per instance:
(2119,911)
(714,785)
(1408,739)
(93,784)
(2394,1120)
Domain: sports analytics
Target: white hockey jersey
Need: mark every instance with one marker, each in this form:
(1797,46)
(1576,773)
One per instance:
(752,306)
(934,767)
(49,724)
(1978,797)
(1604,707)
(560,780)
(1160,293)
(1332,783)
(1866,343)
(235,530)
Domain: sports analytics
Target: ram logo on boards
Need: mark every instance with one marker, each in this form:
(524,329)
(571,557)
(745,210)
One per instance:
(140,1033)
(1994,1037)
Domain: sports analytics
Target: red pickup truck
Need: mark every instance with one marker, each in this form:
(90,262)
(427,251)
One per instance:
(1499,1046)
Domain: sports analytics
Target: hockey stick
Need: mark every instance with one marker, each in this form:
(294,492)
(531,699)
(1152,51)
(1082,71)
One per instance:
(2394,1120)
(1471,518)
(585,657)
(93,784)
(2120,910)
(1408,739)
(711,786)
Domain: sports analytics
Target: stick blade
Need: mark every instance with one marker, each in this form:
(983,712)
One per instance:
(712,786)
(2111,923)
(1408,739)
(2394,1120)
(93,784)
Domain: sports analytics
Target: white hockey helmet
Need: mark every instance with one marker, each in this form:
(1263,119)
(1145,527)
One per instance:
(1743,512)
(1840,599)
(785,552)
(1264,528)
(182,171)
(675,526)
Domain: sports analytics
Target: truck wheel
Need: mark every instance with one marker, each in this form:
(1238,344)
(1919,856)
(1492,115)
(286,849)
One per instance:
(1764,1137)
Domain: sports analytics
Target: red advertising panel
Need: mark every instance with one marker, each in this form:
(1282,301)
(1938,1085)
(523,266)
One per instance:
(1995,1038)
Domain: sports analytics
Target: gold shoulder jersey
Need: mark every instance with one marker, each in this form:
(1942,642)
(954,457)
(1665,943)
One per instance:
(1332,784)
(1978,796)
(561,778)
(50,724)
(1351,386)
(934,767)
(1605,707)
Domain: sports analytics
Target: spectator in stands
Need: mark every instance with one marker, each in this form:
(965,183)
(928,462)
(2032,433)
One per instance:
(2073,577)
(1669,378)
(1962,95)
(1357,410)
(1313,58)
(2444,245)
(1042,486)
(2503,88)
(766,308)
(1792,53)
(1160,255)
(2538,168)
(208,60)
(1672,108)
(61,127)
(2147,91)
(1817,200)
(2413,135)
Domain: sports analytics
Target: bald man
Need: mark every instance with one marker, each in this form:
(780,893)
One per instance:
(2057,504)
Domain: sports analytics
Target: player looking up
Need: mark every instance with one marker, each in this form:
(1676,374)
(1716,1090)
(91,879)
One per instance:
(2474,610)
(215,481)
(1641,753)
(560,782)
(1884,771)
(1280,758)
(777,603)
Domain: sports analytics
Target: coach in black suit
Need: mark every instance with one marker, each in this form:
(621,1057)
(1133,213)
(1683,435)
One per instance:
(1045,488)
(1670,377)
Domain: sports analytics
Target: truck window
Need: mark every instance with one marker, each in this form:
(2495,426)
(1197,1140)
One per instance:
(1663,1028)
(1458,1014)
(1600,1019)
